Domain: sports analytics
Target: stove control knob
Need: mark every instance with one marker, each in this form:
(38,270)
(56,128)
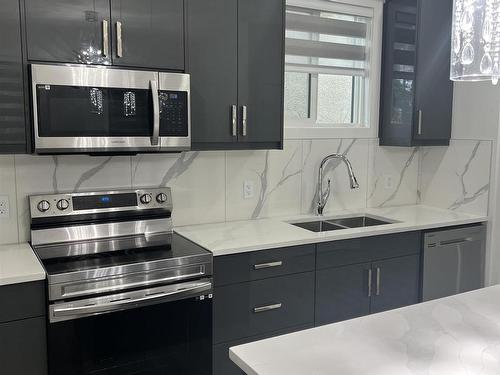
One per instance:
(146,198)
(161,198)
(62,204)
(43,206)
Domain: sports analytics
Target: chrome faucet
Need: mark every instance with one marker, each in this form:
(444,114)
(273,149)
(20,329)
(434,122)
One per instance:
(323,196)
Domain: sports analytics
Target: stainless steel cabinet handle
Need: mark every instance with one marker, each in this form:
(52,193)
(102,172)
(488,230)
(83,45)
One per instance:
(457,241)
(267,308)
(419,122)
(105,38)
(268,265)
(156,113)
(234,123)
(370,282)
(119,304)
(245,120)
(377,292)
(119,41)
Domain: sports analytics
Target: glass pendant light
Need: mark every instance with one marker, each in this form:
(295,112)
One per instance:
(475,50)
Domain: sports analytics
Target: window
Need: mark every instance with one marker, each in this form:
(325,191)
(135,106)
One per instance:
(332,72)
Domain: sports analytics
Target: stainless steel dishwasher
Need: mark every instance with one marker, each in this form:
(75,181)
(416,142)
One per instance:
(453,261)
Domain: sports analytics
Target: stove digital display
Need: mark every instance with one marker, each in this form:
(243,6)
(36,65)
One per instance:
(93,202)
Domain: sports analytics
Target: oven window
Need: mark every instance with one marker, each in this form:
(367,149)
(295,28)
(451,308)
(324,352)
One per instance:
(169,338)
(68,111)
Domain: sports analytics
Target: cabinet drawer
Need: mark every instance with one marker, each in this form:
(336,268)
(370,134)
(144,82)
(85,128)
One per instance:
(257,307)
(23,349)
(258,265)
(361,250)
(222,364)
(21,301)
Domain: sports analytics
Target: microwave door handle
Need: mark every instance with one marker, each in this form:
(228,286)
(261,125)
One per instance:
(156,113)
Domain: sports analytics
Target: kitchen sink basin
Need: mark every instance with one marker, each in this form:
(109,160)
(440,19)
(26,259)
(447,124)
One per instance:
(319,226)
(341,223)
(358,221)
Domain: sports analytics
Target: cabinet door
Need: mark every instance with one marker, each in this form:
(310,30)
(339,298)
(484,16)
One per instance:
(434,90)
(342,293)
(261,70)
(398,72)
(12,111)
(68,31)
(151,34)
(23,348)
(396,283)
(212,62)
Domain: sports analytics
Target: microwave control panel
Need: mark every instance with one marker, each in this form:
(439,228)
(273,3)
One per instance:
(174,113)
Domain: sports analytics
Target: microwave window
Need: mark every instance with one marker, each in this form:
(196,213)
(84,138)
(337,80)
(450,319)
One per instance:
(68,111)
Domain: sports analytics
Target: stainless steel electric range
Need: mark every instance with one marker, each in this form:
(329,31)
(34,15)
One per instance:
(125,294)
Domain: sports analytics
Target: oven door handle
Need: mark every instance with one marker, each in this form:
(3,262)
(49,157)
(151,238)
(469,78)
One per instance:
(122,302)
(156,113)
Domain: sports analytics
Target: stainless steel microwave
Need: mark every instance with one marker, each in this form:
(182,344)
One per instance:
(88,109)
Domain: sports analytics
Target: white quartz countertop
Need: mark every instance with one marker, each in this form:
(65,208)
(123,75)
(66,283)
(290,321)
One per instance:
(251,235)
(457,335)
(19,264)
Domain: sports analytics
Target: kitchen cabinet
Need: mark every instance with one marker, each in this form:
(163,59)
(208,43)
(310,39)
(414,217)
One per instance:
(236,61)
(416,94)
(23,338)
(366,275)
(258,295)
(148,34)
(12,105)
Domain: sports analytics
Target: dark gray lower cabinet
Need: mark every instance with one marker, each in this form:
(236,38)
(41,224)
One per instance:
(23,348)
(23,339)
(397,284)
(342,293)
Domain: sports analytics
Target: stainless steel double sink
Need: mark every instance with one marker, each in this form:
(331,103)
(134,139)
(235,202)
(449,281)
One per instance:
(327,225)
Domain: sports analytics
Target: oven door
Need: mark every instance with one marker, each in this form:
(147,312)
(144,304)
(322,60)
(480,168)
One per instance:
(163,336)
(83,109)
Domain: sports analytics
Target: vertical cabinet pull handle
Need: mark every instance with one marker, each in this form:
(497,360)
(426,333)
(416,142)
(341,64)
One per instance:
(245,120)
(419,122)
(119,40)
(234,120)
(105,38)
(156,113)
(378,282)
(370,282)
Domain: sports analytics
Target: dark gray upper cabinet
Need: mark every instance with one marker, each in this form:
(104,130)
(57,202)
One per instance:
(148,33)
(12,109)
(236,60)
(417,94)
(68,31)
(261,70)
(212,46)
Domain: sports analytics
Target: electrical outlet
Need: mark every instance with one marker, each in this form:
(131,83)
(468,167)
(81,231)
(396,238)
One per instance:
(4,207)
(248,189)
(389,182)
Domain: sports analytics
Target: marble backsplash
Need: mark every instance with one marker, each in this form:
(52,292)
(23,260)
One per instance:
(208,186)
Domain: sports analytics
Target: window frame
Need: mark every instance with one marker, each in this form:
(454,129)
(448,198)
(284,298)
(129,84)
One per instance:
(310,129)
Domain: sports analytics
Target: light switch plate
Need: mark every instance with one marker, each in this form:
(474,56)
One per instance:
(389,182)
(4,207)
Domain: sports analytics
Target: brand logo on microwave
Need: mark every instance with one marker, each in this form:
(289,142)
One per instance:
(119,142)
